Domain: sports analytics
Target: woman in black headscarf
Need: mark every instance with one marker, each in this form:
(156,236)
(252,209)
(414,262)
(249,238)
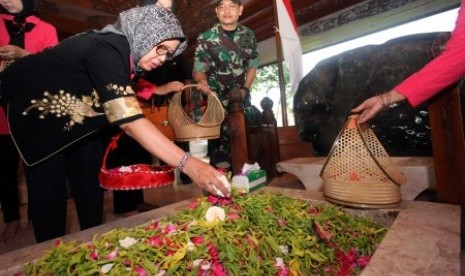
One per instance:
(66,94)
(21,33)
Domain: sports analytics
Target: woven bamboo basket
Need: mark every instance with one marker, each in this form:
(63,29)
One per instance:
(186,128)
(358,171)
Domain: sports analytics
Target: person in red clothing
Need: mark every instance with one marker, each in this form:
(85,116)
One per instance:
(21,34)
(438,74)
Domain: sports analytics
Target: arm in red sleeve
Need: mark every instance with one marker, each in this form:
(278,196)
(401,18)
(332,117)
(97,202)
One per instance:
(145,89)
(441,72)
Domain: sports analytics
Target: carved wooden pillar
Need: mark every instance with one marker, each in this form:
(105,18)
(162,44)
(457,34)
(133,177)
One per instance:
(263,141)
(237,132)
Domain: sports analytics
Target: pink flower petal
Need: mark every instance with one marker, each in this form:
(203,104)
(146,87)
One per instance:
(140,271)
(93,255)
(198,240)
(112,255)
(57,243)
(363,261)
(156,241)
(233,216)
(170,228)
(218,269)
(193,205)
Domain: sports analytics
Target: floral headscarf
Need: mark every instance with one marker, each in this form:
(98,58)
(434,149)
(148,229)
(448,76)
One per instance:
(146,27)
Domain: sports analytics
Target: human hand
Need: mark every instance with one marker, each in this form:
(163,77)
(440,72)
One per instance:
(206,177)
(369,108)
(203,87)
(244,92)
(12,52)
(167,4)
(374,105)
(174,86)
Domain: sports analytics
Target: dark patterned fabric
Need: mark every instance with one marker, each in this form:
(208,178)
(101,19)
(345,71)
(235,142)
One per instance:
(62,94)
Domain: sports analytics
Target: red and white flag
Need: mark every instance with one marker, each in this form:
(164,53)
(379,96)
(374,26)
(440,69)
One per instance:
(292,50)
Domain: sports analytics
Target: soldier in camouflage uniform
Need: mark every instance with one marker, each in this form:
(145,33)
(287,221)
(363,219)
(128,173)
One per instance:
(226,57)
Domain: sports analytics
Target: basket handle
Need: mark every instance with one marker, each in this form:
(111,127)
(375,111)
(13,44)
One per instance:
(177,98)
(111,146)
(190,85)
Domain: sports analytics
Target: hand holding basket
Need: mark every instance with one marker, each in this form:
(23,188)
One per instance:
(188,129)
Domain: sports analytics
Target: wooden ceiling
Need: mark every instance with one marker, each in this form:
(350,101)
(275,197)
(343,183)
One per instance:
(73,16)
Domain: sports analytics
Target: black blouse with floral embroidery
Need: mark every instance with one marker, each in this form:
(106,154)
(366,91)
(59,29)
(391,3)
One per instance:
(62,94)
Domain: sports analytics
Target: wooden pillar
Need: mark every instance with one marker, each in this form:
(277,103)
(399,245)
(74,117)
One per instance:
(263,141)
(237,132)
(447,131)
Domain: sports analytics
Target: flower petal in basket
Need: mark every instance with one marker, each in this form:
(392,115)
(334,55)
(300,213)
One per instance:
(133,177)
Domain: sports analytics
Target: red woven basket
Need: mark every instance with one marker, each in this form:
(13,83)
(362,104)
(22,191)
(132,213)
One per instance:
(133,177)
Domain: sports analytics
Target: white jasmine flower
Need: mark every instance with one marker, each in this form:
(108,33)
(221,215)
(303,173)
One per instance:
(215,213)
(161,273)
(225,183)
(197,262)
(125,169)
(106,268)
(279,262)
(127,242)
(190,246)
(206,266)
